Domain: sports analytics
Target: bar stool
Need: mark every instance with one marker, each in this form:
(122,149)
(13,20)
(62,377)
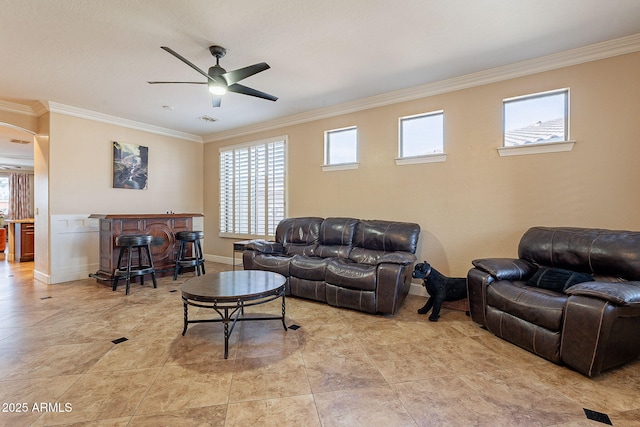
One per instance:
(128,244)
(182,260)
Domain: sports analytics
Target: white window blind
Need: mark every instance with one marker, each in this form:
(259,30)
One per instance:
(252,188)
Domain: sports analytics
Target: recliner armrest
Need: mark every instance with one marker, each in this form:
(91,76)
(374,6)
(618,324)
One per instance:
(402,258)
(265,247)
(506,268)
(620,293)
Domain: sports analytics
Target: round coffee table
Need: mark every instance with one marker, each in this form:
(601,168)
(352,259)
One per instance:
(228,293)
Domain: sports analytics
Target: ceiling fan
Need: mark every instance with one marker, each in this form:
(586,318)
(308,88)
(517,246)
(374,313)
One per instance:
(220,80)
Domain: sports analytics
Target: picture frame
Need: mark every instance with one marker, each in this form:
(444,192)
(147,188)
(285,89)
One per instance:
(130,166)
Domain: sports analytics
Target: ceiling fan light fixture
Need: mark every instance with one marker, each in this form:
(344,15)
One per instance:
(217,89)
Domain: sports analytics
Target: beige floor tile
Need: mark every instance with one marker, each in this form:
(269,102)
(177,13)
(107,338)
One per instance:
(521,399)
(103,395)
(409,362)
(316,336)
(377,406)
(179,387)
(340,369)
(201,344)
(18,397)
(136,353)
(286,411)
(269,377)
(431,403)
(258,340)
(615,390)
(56,360)
(210,416)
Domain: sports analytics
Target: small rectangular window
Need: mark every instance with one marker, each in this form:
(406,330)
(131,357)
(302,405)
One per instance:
(421,135)
(341,146)
(536,119)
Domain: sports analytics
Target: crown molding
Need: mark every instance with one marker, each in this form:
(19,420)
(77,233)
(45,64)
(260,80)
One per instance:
(13,107)
(608,49)
(69,110)
(39,108)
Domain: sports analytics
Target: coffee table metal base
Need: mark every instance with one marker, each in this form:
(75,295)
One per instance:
(231,312)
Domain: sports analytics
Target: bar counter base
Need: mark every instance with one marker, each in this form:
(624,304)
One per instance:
(164,246)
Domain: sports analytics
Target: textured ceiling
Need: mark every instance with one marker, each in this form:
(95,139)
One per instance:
(98,55)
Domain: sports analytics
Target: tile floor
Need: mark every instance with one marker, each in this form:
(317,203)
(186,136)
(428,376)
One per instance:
(340,368)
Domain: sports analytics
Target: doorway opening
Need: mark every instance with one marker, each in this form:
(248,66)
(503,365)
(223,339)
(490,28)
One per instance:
(17,199)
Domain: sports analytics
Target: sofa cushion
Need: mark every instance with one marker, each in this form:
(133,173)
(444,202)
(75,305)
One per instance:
(348,274)
(625,293)
(605,252)
(336,237)
(298,235)
(505,268)
(535,305)
(374,239)
(557,279)
(351,298)
(310,289)
(536,339)
(309,268)
(264,246)
(387,236)
(269,262)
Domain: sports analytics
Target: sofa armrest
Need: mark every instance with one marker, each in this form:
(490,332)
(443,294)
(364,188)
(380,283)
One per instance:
(402,258)
(265,247)
(620,293)
(506,268)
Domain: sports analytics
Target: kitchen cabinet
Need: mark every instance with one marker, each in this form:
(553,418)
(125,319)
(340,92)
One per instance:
(21,240)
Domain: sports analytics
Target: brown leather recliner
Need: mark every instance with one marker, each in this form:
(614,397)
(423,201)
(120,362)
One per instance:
(591,325)
(345,262)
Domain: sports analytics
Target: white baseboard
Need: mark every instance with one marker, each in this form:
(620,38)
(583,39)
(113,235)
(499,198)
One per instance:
(418,289)
(41,277)
(78,273)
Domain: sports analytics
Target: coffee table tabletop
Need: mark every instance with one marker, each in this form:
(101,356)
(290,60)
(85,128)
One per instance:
(231,285)
(228,293)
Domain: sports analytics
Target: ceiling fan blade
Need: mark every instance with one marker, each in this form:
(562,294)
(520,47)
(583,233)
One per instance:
(235,76)
(189,83)
(238,88)
(216,101)
(185,60)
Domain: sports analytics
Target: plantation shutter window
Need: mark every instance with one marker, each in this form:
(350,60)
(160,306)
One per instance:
(252,188)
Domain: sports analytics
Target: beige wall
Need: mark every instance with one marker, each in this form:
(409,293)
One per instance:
(81,170)
(476,204)
(41,196)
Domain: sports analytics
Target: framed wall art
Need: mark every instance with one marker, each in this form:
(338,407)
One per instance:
(130,166)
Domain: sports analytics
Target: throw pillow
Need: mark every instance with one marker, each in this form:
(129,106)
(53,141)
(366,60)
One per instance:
(557,279)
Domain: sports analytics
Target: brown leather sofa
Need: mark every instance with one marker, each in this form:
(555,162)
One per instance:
(345,262)
(589,326)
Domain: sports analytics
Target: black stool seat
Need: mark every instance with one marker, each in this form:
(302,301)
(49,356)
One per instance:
(127,244)
(183,260)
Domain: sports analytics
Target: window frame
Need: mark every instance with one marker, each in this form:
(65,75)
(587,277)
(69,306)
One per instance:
(421,158)
(566,144)
(4,204)
(270,222)
(327,150)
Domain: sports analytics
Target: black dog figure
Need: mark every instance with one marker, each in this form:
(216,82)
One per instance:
(439,287)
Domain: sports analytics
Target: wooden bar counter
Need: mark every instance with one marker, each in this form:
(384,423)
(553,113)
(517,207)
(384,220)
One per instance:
(161,226)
